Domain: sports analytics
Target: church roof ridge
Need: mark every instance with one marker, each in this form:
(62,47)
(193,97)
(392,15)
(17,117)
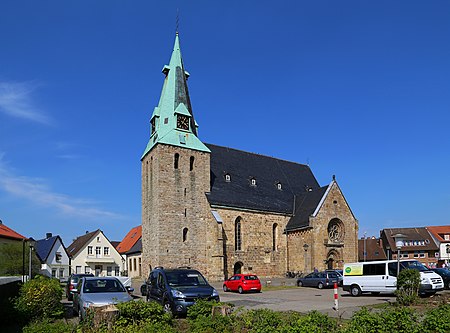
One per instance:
(257,154)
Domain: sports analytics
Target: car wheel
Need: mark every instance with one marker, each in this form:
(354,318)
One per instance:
(299,283)
(320,285)
(355,290)
(225,289)
(168,308)
(240,290)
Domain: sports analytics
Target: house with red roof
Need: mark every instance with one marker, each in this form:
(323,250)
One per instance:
(441,235)
(8,236)
(131,248)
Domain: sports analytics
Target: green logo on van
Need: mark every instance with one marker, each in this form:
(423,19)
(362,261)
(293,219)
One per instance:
(348,270)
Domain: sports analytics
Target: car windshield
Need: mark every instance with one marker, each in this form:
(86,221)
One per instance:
(103,286)
(413,264)
(181,278)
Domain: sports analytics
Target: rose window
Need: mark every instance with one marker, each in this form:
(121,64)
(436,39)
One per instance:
(335,231)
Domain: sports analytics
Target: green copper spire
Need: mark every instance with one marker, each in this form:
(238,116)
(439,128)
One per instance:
(172,121)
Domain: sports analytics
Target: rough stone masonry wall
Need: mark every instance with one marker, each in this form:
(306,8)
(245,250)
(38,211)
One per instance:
(174,199)
(319,246)
(257,254)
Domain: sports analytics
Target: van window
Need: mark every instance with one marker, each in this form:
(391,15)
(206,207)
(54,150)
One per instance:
(374,269)
(392,269)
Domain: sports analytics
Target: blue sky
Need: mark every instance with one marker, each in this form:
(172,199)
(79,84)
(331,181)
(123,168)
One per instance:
(359,89)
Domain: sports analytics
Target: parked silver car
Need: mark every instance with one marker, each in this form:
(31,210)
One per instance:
(98,291)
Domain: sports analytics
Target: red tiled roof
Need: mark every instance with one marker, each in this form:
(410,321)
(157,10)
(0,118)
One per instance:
(130,239)
(439,232)
(6,232)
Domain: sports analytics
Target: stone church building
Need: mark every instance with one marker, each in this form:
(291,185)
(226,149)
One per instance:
(222,210)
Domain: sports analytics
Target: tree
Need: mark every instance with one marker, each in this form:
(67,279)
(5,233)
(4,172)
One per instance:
(11,259)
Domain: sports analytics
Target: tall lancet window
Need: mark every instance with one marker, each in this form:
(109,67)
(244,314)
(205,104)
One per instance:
(176,160)
(237,235)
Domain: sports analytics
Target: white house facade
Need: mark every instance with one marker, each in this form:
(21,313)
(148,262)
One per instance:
(94,253)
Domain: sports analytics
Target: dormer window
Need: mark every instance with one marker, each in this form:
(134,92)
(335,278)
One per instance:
(253,181)
(279,186)
(153,125)
(227,178)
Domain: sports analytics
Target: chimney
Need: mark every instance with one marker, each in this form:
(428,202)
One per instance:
(87,231)
(48,235)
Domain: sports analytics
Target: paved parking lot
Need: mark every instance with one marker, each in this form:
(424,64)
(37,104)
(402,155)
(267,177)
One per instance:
(301,299)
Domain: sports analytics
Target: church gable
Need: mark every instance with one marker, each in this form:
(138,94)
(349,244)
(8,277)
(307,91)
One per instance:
(246,180)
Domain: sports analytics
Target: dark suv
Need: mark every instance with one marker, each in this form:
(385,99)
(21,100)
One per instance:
(177,289)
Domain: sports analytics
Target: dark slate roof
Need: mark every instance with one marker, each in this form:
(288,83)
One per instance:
(44,246)
(305,205)
(80,242)
(136,248)
(242,166)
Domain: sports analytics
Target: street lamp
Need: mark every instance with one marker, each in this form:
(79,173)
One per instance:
(447,249)
(31,243)
(399,238)
(364,253)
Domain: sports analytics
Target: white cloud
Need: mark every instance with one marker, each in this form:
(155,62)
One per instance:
(16,101)
(36,191)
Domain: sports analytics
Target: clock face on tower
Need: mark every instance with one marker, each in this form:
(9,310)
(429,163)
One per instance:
(183,122)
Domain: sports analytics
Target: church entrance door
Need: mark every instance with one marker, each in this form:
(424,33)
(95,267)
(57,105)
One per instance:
(238,267)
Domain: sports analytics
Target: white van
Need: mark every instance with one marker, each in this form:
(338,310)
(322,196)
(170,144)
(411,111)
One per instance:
(381,276)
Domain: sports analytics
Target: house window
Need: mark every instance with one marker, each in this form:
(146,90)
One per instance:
(176,160)
(106,251)
(416,254)
(58,257)
(421,254)
(61,273)
(89,250)
(274,236)
(109,270)
(134,266)
(87,270)
(78,269)
(53,272)
(98,239)
(130,266)
(117,271)
(191,163)
(237,235)
(185,234)
(98,250)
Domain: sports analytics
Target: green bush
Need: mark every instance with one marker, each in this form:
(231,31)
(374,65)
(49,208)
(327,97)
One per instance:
(408,282)
(262,320)
(40,298)
(313,322)
(203,308)
(399,320)
(437,320)
(141,312)
(204,324)
(46,326)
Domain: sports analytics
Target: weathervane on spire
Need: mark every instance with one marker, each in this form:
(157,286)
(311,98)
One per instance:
(178,20)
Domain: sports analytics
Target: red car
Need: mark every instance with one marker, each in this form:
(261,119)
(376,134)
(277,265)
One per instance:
(242,283)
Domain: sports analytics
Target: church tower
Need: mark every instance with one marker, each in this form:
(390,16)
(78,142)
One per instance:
(178,228)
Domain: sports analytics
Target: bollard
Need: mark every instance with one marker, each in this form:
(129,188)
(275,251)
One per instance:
(336,303)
